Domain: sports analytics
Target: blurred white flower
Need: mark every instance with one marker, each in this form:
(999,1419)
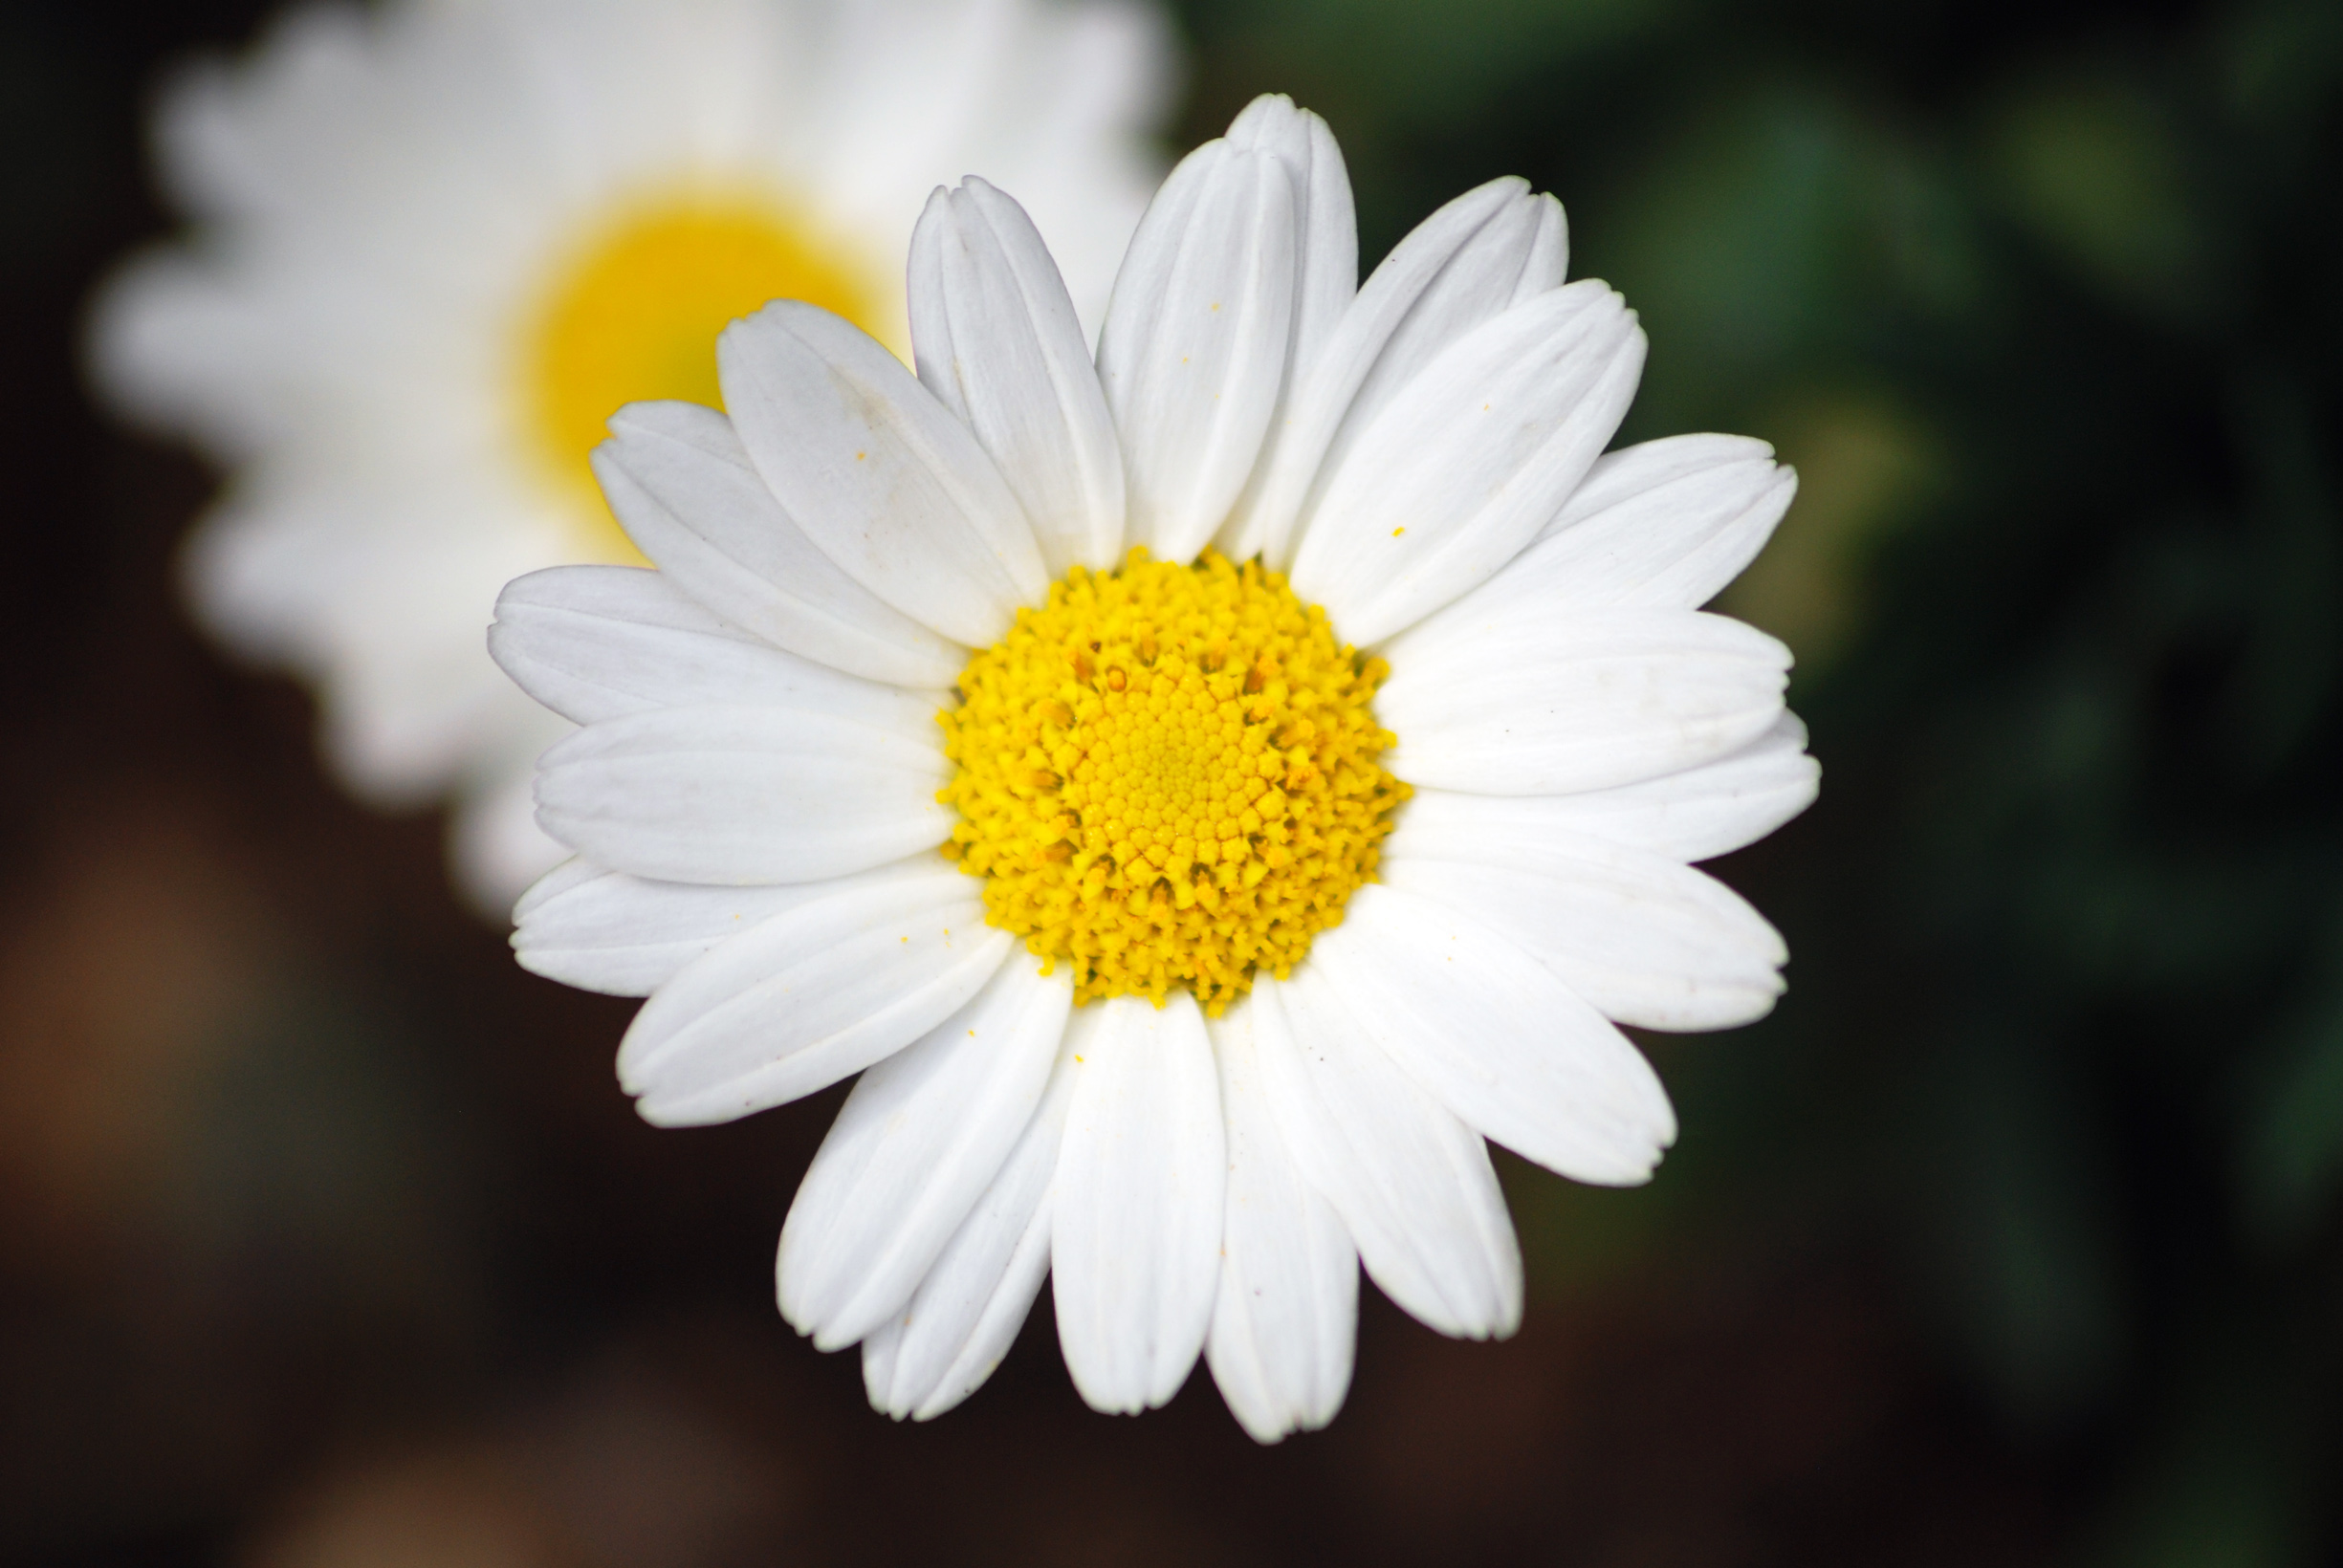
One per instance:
(439,243)
(938,676)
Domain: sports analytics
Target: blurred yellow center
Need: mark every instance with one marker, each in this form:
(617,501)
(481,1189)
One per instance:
(1168,777)
(634,313)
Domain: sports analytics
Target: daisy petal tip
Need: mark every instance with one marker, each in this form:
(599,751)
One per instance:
(530,960)
(1267,1431)
(950,1398)
(1122,1391)
(523,588)
(1273,1426)
(893,1409)
(1263,113)
(653,419)
(1276,124)
(1631,1161)
(1108,1402)
(667,1108)
(749,343)
(794,1315)
(825,1340)
(1638,1173)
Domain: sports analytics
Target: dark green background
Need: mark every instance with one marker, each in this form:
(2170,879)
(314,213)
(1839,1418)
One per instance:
(2011,1237)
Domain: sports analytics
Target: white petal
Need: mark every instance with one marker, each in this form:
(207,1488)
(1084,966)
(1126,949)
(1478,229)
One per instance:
(809,996)
(1286,1319)
(1325,278)
(597,643)
(1486,251)
(746,794)
(914,1146)
(1690,816)
(1496,1036)
(1468,460)
(1193,351)
(1483,252)
(678,478)
(1326,219)
(1524,703)
(603,930)
(1645,940)
(1412,1184)
(1135,1247)
(569,875)
(877,473)
(1549,256)
(965,1314)
(1000,345)
(1663,525)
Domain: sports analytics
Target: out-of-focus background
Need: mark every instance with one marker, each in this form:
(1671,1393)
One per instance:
(328,1241)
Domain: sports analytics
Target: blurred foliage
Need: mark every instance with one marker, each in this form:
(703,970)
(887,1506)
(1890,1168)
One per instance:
(2042,304)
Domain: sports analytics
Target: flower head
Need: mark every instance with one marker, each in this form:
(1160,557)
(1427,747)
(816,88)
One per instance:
(442,243)
(1205,794)
(1168,777)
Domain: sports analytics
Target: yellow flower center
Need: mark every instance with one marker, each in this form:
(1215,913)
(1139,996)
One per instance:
(1167,777)
(633,313)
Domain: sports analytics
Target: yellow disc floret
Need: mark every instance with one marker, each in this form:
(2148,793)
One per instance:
(1168,777)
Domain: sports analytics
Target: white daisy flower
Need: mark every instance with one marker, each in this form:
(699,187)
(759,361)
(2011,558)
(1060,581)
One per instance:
(441,241)
(1192,922)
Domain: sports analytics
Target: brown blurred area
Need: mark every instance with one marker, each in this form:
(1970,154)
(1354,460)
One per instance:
(327,1239)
